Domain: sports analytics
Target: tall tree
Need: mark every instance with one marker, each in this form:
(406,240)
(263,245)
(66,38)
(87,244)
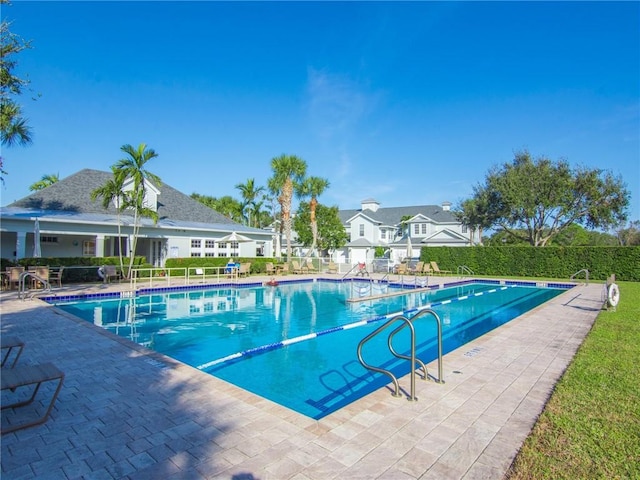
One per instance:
(471,212)
(44,182)
(250,194)
(111,194)
(331,234)
(288,170)
(226,205)
(312,187)
(133,167)
(536,199)
(629,236)
(14,129)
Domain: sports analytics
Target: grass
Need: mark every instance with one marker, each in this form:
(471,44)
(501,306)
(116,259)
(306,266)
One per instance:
(590,427)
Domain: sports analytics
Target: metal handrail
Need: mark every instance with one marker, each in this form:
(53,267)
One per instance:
(407,322)
(22,287)
(420,314)
(585,271)
(357,265)
(383,370)
(463,269)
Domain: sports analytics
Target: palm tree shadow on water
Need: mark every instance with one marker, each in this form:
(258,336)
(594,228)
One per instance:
(345,388)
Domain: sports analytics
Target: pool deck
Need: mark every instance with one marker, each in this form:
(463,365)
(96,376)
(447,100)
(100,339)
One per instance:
(125,412)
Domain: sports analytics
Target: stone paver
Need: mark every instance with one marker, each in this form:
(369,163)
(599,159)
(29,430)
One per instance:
(126,412)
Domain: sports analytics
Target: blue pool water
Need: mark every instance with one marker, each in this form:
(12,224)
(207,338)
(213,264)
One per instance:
(236,333)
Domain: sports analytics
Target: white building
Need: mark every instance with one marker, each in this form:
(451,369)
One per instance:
(73,225)
(425,226)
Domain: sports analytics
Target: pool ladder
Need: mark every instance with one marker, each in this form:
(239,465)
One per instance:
(22,285)
(407,322)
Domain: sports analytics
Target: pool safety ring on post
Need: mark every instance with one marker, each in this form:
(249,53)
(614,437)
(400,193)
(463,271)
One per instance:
(613,295)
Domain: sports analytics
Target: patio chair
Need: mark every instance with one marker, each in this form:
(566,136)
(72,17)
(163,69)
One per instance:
(426,269)
(437,271)
(333,268)
(55,276)
(8,343)
(295,265)
(32,376)
(245,269)
(270,268)
(13,276)
(417,269)
(401,269)
(42,274)
(310,266)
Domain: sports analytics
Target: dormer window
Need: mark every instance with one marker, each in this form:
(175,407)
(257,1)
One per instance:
(151,193)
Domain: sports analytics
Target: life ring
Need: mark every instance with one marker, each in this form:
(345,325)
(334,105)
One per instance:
(613,295)
(101,273)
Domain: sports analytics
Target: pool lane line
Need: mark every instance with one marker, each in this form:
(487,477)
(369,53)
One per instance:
(348,326)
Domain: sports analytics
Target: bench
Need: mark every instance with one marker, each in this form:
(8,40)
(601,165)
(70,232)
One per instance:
(109,272)
(8,343)
(25,376)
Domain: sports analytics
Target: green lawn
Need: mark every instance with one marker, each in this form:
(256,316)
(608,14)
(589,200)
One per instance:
(590,427)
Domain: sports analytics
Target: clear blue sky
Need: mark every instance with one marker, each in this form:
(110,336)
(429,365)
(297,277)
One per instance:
(408,103)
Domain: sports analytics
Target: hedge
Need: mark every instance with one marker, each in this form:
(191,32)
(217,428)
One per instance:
(546,262)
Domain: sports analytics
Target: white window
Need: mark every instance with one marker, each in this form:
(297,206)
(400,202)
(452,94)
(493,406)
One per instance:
(196,243)
(89,248)
(464,229)
(383,234)
(48,239)
(416,228)
(209,244)
(195,254)
(424,228)
(362,229)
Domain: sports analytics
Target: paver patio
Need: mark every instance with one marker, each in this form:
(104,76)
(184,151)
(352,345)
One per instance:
(125,412)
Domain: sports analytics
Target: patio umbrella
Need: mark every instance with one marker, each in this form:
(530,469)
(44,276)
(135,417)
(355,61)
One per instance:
(234,237)
(37,252)
(409,248)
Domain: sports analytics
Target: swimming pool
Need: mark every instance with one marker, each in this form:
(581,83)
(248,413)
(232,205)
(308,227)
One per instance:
(296,343)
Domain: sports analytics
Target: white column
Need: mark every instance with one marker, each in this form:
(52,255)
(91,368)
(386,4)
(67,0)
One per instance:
(21,240)
(100,245)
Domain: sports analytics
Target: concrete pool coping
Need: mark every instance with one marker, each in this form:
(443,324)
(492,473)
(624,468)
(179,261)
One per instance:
(127,412)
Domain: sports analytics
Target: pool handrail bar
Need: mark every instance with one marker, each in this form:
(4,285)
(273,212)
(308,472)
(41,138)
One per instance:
(22,288)
(585,271)
(407,322)
(464,270)
(421,313)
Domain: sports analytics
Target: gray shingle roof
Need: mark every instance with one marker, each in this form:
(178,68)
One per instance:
(73,194)
(393,215)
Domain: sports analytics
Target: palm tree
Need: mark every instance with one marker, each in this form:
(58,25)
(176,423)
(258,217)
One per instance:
(288,171)
(44,182)
(313,187)
(111,192)
(133,167)
(249,193)
(14,128)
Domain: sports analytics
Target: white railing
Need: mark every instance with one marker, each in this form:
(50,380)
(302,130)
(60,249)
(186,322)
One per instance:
(177,276)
